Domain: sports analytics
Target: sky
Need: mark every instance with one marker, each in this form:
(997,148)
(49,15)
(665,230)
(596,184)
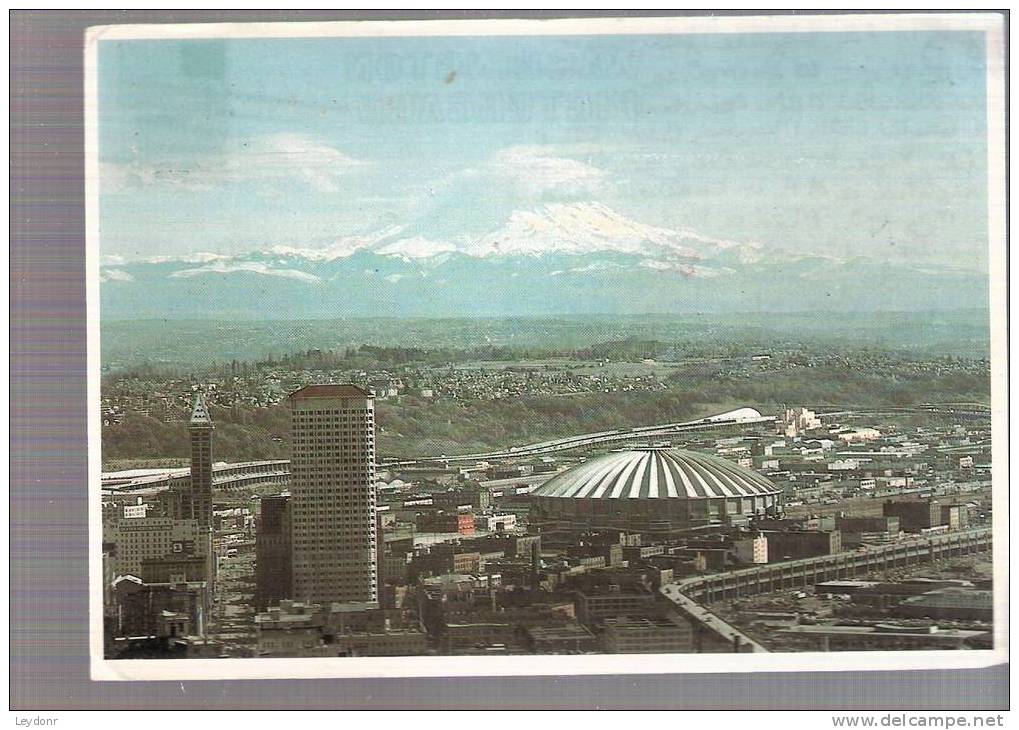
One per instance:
(848,144)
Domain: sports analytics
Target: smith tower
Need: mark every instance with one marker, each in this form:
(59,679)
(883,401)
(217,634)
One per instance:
(200,428)
(332,494)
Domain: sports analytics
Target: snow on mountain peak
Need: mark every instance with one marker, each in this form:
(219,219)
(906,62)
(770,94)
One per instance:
(415,247)
(577,228)
(194,258)
(251,267)
(581,228)
(341,247)
(573,229)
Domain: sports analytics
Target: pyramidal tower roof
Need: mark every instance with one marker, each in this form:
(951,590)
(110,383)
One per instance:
(200,411)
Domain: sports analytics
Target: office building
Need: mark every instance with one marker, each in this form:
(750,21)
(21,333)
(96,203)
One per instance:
(332,494)
(595,605)
(914,515)
(647,634)
(132,540)
(565,638)
(796,544)
(273,578)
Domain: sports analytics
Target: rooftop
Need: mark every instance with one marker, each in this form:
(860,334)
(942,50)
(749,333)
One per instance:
(954,598)
(353,606)
(330,391)
(563,631)
(884,630)
(290,619)
(653,473)
(641,623)
(200,411)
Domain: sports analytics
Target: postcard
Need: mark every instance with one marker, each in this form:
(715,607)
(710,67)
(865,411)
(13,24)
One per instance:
(577,346)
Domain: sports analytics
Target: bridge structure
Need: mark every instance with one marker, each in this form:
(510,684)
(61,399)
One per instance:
(692,595)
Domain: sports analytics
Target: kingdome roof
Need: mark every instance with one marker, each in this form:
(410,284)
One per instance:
(656,474)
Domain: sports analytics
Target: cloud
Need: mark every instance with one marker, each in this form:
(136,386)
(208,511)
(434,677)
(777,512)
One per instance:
(273,157)
(295,155)
(253,267)
(114,275)
(189,258)
(686,270)
(537,170)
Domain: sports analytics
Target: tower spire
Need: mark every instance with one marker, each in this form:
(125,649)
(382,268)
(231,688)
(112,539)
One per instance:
(200,411)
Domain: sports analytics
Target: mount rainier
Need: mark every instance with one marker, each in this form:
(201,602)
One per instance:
(556,260)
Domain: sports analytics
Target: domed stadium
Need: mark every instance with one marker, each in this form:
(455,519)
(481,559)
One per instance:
(651,490)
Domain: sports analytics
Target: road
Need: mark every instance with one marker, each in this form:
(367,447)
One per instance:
(965,410)
(738,417)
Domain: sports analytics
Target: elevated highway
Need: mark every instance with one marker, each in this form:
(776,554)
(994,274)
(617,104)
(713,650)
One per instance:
(959,410)
(691,595)
(738,417)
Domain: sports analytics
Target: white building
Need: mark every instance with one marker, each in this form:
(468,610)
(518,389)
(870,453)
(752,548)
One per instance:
(332,488)
(491,523)
(796,421)
(135,511)
(857,435)
(844,465)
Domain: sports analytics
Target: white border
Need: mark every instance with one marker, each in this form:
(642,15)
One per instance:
(557,26)
(991,24)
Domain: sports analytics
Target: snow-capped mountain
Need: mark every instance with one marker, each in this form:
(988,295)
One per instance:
(558,259)
(587,228)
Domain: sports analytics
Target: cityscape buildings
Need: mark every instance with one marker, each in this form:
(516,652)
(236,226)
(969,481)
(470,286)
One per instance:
(612,545)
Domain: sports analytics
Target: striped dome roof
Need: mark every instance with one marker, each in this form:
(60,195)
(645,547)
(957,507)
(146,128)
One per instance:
(656,474)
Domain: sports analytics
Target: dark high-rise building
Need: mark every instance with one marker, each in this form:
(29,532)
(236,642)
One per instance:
(914,515)
(200,427)
(273,578)
(332,494)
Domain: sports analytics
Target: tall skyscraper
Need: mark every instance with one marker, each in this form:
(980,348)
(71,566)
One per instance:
(200,428)
(332,494)
(273,580)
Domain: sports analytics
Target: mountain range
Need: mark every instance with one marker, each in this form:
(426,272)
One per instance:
(581,258)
